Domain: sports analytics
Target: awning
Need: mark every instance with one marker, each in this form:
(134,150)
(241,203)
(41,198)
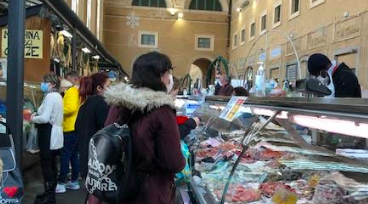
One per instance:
(63,11)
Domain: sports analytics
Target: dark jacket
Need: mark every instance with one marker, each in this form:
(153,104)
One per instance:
(155,139)
(91,118)
(185,128)
(217,89)
(226,90)
(346,83)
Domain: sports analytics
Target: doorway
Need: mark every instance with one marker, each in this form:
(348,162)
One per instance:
(197,72)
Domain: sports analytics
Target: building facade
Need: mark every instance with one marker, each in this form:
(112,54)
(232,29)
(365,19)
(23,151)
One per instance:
(91,13)
(260,30)
(191,32)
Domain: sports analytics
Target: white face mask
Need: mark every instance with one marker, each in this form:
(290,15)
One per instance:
(170,86)
(324,81)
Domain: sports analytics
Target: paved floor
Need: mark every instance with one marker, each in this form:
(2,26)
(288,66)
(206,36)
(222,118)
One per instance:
(34,185)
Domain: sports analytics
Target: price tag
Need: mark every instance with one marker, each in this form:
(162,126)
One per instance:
(283,196)
(232,108)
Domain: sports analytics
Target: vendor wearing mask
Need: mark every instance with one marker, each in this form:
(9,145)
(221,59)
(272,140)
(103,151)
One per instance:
(339,78)
(226,87)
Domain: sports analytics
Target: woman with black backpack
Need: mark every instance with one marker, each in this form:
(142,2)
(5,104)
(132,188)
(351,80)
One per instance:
(148,109)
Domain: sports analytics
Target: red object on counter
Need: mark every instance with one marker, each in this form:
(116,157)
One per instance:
(181,119)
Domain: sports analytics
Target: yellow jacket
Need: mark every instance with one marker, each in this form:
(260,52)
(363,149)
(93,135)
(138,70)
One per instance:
(71,107)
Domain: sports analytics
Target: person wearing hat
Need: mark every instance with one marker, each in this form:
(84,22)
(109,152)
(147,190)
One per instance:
(339,78)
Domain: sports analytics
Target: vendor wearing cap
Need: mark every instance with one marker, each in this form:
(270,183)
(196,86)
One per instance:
(339,78)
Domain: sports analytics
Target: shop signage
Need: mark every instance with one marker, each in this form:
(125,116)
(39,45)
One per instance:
(276,53)
(262,56)
(317,39)
(32,46)
(298,46)
(348,29)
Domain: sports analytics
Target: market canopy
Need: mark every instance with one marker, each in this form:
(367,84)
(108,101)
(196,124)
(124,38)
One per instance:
(66,16)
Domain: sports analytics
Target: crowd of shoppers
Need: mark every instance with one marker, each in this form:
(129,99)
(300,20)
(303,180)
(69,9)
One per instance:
(74,109)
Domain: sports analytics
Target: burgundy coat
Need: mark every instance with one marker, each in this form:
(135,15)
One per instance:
(226,90)
(155,139)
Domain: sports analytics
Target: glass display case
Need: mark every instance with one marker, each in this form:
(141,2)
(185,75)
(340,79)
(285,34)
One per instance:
(32,100)
(281,150)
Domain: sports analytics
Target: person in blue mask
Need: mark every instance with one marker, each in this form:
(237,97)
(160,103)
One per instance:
(49,123)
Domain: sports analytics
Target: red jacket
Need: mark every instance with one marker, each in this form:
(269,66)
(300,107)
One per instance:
(155,139)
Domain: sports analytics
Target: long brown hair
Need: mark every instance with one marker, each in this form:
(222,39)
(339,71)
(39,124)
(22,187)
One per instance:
(88,85)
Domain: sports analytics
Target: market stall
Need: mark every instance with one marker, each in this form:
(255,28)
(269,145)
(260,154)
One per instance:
(280,150)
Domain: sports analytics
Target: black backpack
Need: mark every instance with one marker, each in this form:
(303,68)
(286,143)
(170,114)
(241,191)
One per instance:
(111,176)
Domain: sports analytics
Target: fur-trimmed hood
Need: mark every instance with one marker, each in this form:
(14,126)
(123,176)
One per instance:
(143,99)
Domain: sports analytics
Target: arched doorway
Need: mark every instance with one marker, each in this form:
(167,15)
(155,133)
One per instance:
(198,70)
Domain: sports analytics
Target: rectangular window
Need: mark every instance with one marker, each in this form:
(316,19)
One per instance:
(291,72)
(235,41)
(252,30)
(204,42)
(277,15)
(242,36)
(148,39)
(294,8)
(263,23)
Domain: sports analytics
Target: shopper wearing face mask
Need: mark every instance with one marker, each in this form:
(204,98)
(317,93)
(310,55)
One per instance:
(339,78)
(148,109)
(49,123)
(92,114)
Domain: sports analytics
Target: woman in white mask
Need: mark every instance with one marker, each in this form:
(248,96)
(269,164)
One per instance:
(339,78)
